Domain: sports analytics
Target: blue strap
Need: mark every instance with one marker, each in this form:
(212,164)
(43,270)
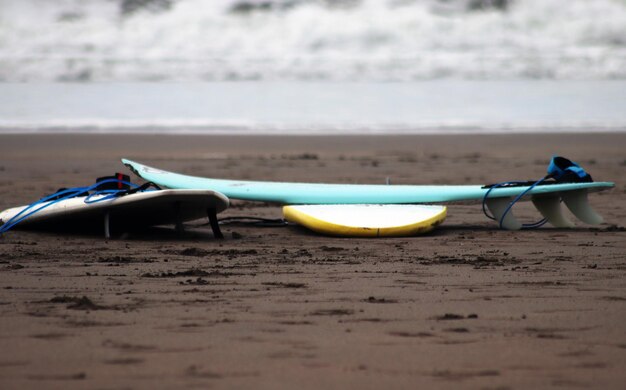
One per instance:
(510,206)
(577,170)
(62,195)
(559,166)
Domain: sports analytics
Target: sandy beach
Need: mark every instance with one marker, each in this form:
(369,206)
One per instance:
(467,306)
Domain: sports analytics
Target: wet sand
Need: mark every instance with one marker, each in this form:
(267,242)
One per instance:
(467,306)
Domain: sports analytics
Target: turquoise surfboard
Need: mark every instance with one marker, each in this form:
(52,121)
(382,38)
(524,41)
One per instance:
(314,193)
(546,198)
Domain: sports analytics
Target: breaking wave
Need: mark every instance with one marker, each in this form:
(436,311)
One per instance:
(341,40)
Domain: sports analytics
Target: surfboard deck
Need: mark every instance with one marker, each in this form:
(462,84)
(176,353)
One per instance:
(149,208)
(366,220)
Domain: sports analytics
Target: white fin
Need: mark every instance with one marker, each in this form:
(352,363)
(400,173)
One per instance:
(498,206)
(550,208)
(578,204)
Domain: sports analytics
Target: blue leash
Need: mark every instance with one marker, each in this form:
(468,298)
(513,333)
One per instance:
(62,195)
(517,198)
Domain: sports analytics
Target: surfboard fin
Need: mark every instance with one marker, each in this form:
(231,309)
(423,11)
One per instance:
(578,204)
(107,225)
(498,206)
(550,208)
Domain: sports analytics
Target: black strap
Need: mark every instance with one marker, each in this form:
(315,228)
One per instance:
(141,188)
(118,181)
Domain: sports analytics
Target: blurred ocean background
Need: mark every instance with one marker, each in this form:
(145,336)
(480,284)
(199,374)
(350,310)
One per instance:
(312,66)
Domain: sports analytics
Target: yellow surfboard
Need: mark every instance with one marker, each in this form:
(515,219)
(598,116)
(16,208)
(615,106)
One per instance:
(366,220)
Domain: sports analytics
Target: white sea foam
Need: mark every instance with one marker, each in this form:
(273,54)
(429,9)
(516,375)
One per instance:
(366,40)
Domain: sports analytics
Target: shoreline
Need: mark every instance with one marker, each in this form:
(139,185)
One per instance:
(221,130)
(289,107)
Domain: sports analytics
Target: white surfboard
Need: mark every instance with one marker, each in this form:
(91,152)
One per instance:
(367,220)
(148,208)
